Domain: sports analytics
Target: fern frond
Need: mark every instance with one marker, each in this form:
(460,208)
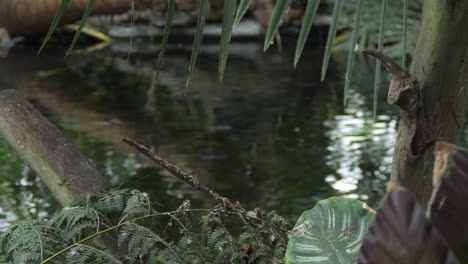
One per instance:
(138,204)
(73,221)
(84,254)
(139,241)
(112,204)
(29,242)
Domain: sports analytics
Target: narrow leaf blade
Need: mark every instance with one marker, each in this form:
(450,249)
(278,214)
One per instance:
(405,32)
(198,40)
(55,22)
(307,21)
(331,37)
(86,14)
(167,32)
(352,53)
(278,12)
(229,11)
(378,65)
(241,10)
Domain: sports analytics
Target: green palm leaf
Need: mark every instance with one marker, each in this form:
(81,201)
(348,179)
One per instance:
(352,53)
(243,7)
(405,32)
(198,40)
(55,21)
(86,14)
(167,32)
(331,37)
(280,9)
(311,11)
(378,65)
(229,11)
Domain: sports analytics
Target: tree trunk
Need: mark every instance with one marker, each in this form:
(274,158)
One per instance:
(441,70)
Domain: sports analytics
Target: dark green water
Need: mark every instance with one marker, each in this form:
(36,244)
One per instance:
(272,137)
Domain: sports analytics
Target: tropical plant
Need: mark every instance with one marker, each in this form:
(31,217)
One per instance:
(332,232)
(103,229)
(400,233)
(437,78)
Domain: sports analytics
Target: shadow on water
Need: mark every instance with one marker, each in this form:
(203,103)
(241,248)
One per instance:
(271,137)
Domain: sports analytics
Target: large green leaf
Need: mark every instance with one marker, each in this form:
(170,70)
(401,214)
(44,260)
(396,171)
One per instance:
(402,234)
(331,233)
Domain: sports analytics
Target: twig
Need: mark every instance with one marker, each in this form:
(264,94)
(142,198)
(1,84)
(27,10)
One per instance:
(226,205)
(181,175)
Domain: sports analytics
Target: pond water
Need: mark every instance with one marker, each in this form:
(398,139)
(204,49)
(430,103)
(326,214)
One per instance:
(272,137)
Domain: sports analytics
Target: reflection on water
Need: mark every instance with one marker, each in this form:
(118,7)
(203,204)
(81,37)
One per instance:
(273,137)
(360,149)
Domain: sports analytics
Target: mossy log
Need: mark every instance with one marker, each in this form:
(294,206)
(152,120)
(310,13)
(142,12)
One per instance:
(60,165)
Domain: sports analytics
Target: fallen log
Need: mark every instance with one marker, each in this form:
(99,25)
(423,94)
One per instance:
(60,165)
(33,17)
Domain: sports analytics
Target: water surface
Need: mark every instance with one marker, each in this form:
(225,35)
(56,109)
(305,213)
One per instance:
(272,137)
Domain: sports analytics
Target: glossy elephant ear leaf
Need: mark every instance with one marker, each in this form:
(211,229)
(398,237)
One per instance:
(331,232)
(448,209)
(401,233)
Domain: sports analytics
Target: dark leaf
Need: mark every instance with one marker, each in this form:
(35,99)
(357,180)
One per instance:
(401,233)
(449,199)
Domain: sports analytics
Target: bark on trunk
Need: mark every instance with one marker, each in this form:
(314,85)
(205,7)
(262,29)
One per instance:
(441,71)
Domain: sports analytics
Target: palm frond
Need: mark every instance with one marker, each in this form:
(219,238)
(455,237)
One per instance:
(378,65)
(308,20)
(405,32)
(198,40)
(86,14)
(229,11)
(352,47)
(167,32)
(241,10)
(278,13)
(55,22)
(331,37)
